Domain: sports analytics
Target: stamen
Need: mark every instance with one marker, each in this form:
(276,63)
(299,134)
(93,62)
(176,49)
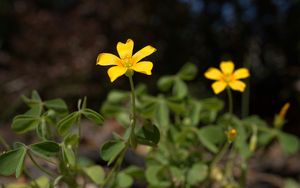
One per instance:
(127,62)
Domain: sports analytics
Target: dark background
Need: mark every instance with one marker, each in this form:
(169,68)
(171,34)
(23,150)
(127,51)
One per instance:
(52,46)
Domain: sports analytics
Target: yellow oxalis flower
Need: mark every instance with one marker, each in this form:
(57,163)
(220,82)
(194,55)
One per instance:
(227,77)
(126,61)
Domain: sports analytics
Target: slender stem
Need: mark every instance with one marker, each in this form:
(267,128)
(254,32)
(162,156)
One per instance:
(230,164)
(117,165)
(133,112)
(78,144)
(40,167)
(230,103)
(4,143)
(219,156)
(243,178)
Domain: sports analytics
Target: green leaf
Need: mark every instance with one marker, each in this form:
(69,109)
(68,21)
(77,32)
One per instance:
(41,129)
(135,171)
(209,109)
(95,173)
(213,104)
(68,154)
(56,104)
(291,183)
(153,176)
(71,139)
(123,118)
(35,99)
(197,174)
(93,116)
(194,112)
(35,110)
(35,96)
(148,135)
(188,71)
(124,180)
(109,109)
(117,96)
(209,136)
(265,138)
(47,148)
(149,108)
(57,180)
(180,89)
(241,142)
(165,83)
(12,162)
(111,149)
(176,107)
(178,175)
(289,143)
(255,120)
(65,124)
(43,182)
(162,113)
(24,123)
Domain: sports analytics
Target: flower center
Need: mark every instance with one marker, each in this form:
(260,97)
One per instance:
(227,78)
(127,62)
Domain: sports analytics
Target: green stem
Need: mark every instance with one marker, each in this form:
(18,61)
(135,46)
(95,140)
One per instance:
(219,156)
(230,164)
(243,178)
(133,112)
(129,142)
(116,167)
(230,103)
(78,144)
(40,167)
(4,143)
(132,139)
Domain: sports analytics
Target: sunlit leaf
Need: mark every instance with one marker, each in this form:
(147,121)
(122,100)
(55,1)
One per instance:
(95,173)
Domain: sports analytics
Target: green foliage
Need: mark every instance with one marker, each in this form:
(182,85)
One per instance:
(111,149)
(188,139)
(197,174)
(12,162)
(46,149)
(95,173)
(148,135)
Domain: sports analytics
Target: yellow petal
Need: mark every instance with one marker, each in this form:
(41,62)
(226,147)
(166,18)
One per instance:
(213,74)
(227,67)
(144,52)
(144,67)
(237,85)
(105,59)
(125,49)
(241,73)
(218,86)
(115,72)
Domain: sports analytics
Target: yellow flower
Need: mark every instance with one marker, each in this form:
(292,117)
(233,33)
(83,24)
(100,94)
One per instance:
(127,62)
(227,77)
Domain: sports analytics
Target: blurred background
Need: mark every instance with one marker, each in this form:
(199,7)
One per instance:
(52,46)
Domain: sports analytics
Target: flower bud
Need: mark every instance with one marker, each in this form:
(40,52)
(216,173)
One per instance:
(279,119)
(231,134)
